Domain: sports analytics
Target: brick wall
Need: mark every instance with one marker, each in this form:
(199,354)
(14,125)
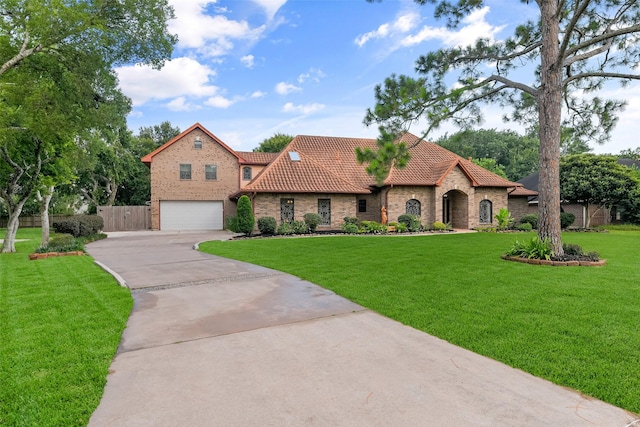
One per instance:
(519,207)
(268,204)
(165,174)
(397,198)
(374,204)
(498,198)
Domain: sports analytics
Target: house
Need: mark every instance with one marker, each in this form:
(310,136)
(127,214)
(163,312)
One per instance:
(196,180)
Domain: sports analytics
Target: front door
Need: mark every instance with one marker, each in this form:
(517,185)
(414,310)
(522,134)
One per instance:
(446,209)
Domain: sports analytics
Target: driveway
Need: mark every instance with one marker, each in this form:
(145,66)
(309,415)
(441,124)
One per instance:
(216,342)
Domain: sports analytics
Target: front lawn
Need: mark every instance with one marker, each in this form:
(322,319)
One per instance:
(61,322)
(576,326)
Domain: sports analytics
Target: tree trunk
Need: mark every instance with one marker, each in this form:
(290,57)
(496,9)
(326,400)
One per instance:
(550,116)
(45,200)
(9,244)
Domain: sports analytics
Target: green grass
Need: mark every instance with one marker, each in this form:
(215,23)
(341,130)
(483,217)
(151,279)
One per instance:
(62,319)
(576,326)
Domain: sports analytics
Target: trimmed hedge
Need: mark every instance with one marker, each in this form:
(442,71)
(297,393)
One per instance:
(79,225)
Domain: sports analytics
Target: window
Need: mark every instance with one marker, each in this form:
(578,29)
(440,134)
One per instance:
(185,171)
(246,173)
(197,143)
(485,212)
(286,210)
(362,205)
(210,172)
(324,210)
(413,207)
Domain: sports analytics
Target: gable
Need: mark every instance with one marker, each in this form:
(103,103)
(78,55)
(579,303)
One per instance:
(188,137)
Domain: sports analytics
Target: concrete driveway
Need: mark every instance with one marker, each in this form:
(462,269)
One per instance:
(215,342)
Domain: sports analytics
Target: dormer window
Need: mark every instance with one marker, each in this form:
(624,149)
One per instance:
(246,173)
(197,144)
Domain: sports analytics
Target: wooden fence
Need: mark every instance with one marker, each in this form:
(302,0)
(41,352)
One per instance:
(31,221)
(125,218)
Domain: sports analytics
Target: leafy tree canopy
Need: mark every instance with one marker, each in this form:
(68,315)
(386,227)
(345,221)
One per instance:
(595,180)
(547,73)
(159,134)
(274,144)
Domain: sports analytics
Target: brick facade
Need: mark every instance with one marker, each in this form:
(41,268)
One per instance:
(268,204)
(165,174)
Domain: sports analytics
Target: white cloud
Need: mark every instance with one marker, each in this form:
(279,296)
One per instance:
(289,107)
(403,24)
(180,104)
(475,26)
(211,34)
(258,94)
(219,102)
(284,88)
(248,61)
(313,74)
(271,7)
(178,77)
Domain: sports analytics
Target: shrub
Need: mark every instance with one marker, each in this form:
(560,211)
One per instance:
(530,219)
(439,226)
(246,221)
(411,221)
(401,228)
(566,219)
(62,243)
(232,224)
(299,227)
(267,225)
(504,219)
(571,250)
(372,227)
(79,225)
(525,226)
(285,229)
(312,220)
(351,220)
(350,228)
(533,249)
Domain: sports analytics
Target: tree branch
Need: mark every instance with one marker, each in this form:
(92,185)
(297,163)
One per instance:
(601,38)
(602,74)
(22,54)
(580,8)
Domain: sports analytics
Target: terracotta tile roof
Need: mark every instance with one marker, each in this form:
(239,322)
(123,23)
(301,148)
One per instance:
(329,165)
(255,158)
(149,157)
(522,191)
(285,175)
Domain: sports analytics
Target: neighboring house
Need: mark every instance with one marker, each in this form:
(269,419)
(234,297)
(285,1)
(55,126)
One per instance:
(196,180)
(602,216)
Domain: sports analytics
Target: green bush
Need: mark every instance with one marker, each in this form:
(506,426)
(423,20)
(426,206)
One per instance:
(401,228)
(411,221)
(79,225)
(504,219)
(246,221)
(232,224)
(533,249)
(566,219)
(372,227)
(439,226)
(267,225)
(285,229)
(312,220)
(62,243)
(530,219)
(525,226)
(350,228)
(299,227)
(350,220)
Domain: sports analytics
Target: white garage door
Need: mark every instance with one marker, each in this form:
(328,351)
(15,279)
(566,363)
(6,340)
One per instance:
(190,215)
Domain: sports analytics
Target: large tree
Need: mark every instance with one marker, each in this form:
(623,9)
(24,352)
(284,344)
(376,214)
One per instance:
(56,78)
(274,144)
(569,52)
(595,181)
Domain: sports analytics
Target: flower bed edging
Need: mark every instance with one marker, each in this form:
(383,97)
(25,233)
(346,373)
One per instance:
(599,263)
(53,254)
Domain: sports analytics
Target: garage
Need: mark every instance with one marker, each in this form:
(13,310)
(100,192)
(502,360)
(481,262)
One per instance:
(191,215)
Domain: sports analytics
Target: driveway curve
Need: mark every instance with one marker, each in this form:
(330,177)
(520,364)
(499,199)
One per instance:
(216,342)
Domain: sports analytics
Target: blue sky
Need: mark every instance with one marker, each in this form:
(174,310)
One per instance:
(246,69)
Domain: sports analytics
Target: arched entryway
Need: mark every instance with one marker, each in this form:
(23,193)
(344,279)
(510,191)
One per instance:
(455,209)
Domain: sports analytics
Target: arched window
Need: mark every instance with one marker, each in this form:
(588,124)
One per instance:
(486,213)
(413,207)
(246,173)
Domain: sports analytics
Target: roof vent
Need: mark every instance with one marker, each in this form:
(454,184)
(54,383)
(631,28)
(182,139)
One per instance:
(294,156)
